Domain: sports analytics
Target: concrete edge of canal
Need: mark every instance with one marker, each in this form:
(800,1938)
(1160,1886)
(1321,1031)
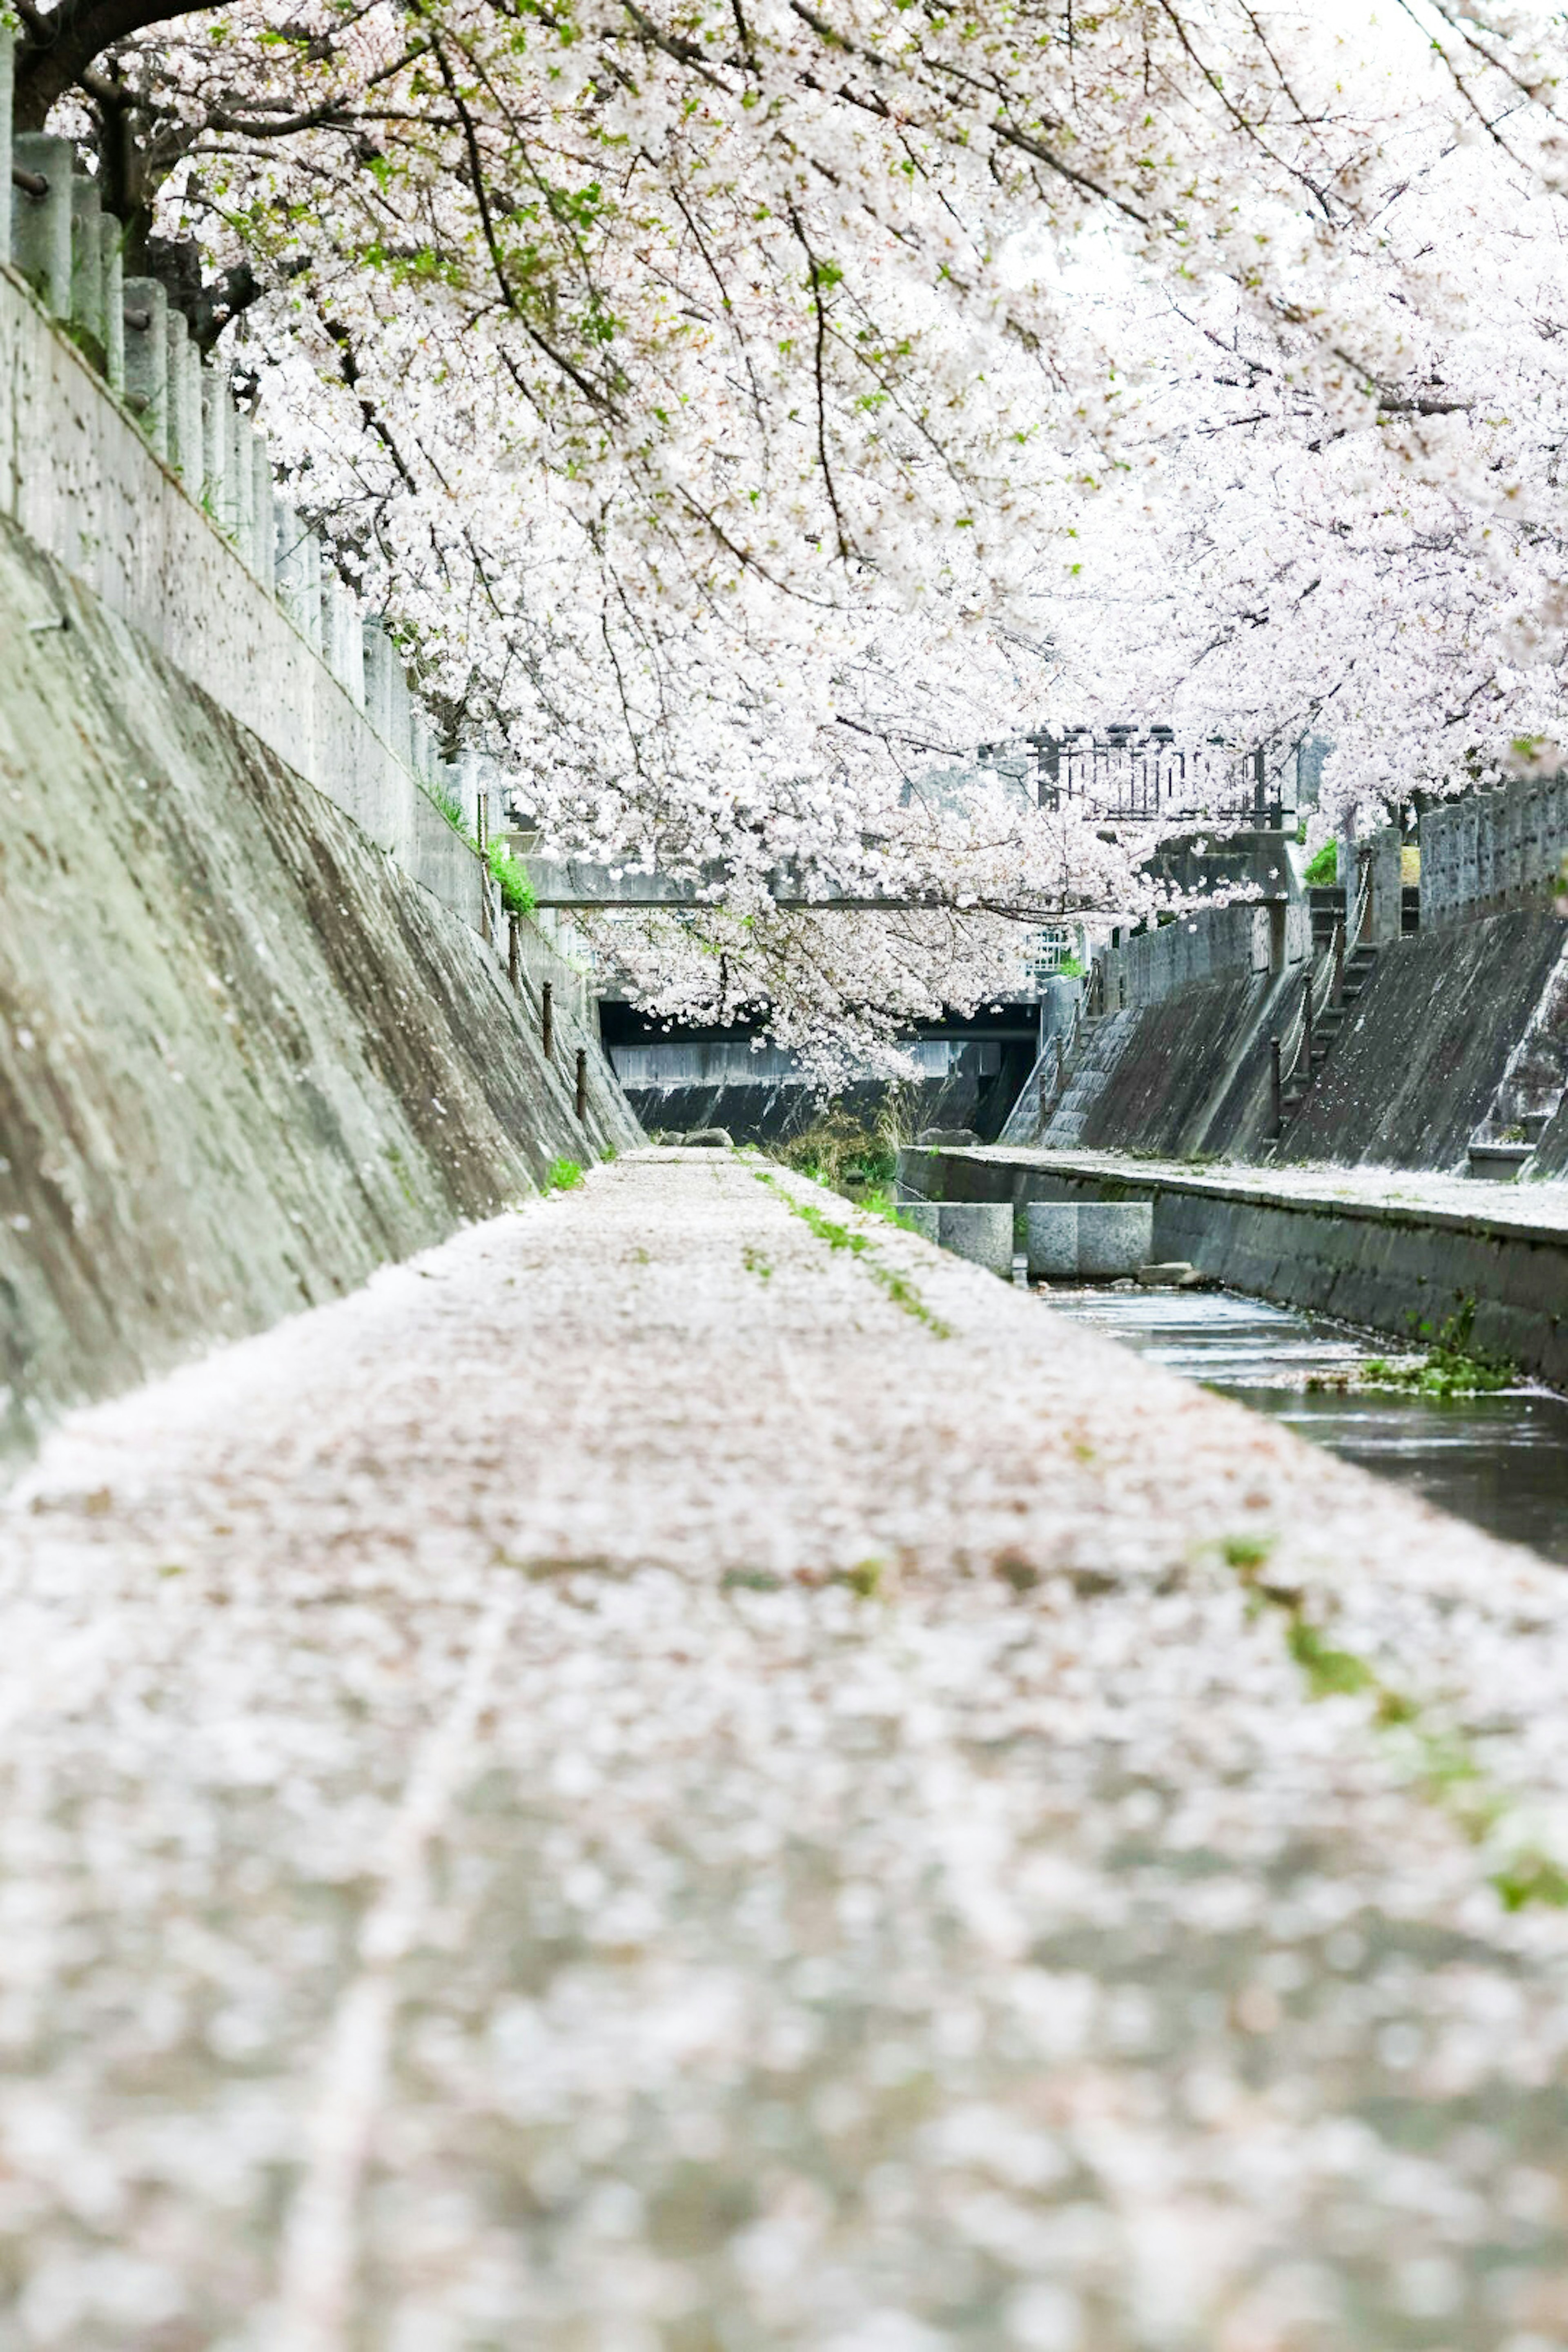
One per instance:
(1386,1264)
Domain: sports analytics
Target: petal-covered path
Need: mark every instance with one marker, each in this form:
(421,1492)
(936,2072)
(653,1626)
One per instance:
(684,1772)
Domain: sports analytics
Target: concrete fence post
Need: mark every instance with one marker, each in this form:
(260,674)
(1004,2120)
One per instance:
(241,441)
(111,281)
(288,561)
(41,215)
(7,79)
(380,655)
(184,431)
(145,311)
(266,562)
(347,646)
(218,471)
(399,711)
(86,269)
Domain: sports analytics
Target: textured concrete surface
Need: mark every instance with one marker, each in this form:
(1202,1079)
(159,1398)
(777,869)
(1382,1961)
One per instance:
(1421,1057)
(244,1057)
(654,1779)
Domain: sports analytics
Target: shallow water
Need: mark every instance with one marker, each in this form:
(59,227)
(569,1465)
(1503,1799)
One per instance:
(1499,1461)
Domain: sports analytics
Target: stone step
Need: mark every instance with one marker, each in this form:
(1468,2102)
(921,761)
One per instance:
(1499,1163)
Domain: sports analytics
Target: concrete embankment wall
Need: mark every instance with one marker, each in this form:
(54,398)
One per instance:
(1425,1051)
(1387,1266)
(1459,1034)
(245,1056)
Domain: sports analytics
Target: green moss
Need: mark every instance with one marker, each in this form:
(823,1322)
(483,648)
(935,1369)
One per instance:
(1324,871)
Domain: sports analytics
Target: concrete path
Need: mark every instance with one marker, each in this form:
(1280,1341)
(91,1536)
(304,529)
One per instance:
(683,1772)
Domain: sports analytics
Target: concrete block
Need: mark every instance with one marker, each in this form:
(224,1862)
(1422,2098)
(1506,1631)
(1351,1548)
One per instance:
(145,313)
(7,79)
(979,1230)
(1114,1238)
(1088,1241)
(41,216)
(1051,1227)
(923,1217)
(112,265)
(87,268)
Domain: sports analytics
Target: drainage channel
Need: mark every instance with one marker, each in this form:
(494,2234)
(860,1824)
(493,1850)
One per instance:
(1499,1461)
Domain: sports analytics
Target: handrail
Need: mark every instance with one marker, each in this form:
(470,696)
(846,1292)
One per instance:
(1324,984)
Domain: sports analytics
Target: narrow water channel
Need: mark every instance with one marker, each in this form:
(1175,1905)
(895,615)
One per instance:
(1499,1461)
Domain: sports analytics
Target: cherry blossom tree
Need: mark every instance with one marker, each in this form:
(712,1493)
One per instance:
(742,410)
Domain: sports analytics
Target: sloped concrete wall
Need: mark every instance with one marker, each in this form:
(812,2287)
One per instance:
(1421,1057)
(1190,1073)
(245,1057)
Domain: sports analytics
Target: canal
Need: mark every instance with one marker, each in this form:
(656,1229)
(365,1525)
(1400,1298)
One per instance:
(1501,1461)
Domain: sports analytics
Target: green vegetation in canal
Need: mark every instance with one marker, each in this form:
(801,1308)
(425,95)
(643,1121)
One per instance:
(863,1250)
(1437,1756)
(849,1155)
(1453,1365)
(564,1176)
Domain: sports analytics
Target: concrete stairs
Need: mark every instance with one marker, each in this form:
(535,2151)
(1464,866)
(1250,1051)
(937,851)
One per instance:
(1329,1025)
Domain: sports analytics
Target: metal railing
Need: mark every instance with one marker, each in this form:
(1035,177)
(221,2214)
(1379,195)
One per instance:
(1324,984)
(1150,778)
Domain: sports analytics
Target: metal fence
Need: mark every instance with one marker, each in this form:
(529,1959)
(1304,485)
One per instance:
(1148,777)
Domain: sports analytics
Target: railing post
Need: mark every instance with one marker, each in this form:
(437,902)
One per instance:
(547,1000)
(1307,1029)
(1339,996)
(513,956)
(581,1082)
(1276,1086)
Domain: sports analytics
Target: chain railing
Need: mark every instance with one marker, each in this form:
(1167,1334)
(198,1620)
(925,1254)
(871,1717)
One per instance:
(1323,984)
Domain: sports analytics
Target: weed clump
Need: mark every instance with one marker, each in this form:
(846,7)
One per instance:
(516,889)
(1452,1366)
(564,1176)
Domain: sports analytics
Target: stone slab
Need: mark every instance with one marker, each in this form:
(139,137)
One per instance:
(978,1232)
